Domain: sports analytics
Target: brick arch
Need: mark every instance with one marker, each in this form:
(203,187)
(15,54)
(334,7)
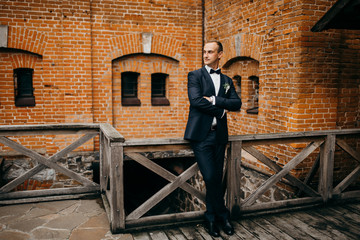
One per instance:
(132,44)
(23,60)
(27,39)
(245,45)
(136,65)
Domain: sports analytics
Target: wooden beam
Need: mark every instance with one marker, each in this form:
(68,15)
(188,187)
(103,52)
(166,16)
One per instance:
(233,179)
(48,129)
(348,149)
(329,15)
(49,192)
(327,152)
(355,174)
(287,168)
(166,190)
(166,218)
(268,162)
(11,185)
(280,204)
(48,198)
(165,174)
(117,186)
(311,173)
(27,152)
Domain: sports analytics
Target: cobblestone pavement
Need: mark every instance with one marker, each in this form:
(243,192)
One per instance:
(73,219)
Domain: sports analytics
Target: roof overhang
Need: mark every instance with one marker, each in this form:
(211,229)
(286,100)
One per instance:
(344,14)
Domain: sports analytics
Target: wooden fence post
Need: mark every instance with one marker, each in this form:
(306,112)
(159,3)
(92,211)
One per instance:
(117,186)
(327,151)
(233,178)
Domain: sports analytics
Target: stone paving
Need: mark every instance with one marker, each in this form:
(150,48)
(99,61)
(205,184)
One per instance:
(83,219)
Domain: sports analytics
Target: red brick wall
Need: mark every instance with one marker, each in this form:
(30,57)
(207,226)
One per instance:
(73,47)
(308,81)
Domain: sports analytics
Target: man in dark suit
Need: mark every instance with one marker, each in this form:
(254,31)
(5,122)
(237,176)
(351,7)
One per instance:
(211,95)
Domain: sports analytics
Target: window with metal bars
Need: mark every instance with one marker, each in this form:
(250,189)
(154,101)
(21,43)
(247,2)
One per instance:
(158,89)
(129,89)
(23,87)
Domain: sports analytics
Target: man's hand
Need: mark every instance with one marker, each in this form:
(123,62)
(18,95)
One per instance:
(208,98)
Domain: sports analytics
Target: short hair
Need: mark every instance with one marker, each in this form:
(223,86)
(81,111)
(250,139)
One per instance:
(220,46)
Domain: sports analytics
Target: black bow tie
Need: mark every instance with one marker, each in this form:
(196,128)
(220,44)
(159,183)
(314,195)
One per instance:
(215,71)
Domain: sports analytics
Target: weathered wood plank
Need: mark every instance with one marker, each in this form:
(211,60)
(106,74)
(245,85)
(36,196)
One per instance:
(311,173)
(18,147)
(117,186)
(294,135)
(175,234)
(203,233)
(349,215)
(313,232)
(141,236)
(176,149)
(327,152)
(347,181)
(190,233)
(49,192)
(354,207)
(111,133)
(233,179)
(11,185)
(282,141)
(158,235)
(321,225)
(353,232)
(168,219)
(287,226)
(165,174)
(241,232)
(48,129)
(279,234)
(348,149)
(166,190)
(47,198)
(293,180)
(287,168)
(257,230)
(281,204)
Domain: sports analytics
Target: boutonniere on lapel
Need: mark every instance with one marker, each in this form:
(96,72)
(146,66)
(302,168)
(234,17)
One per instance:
(226,87)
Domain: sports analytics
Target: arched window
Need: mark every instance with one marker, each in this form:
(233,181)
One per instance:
(23,87)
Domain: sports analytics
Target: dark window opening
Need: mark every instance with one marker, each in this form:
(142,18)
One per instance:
(158,89)
(129,89)
(255,96)
(237,79)
(23,87)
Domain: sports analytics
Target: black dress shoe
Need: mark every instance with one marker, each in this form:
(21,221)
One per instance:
(212,229)
(228,228)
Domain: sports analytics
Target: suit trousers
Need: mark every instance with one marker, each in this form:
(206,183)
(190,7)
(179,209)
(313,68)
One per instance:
(209,155)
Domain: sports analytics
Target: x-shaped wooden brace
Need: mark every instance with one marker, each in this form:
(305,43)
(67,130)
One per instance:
(354,174)
(175,182)
(44,162)
(281,172)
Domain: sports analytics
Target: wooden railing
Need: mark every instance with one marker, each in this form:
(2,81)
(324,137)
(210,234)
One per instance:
(87,132)
(321,143)
(114,150)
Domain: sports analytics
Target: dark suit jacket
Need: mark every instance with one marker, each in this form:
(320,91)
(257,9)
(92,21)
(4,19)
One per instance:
(202,111)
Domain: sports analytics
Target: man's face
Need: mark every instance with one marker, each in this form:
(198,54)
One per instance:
(211,55)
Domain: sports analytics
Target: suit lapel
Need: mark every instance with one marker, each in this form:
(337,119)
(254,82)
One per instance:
(222,82)
(208,79)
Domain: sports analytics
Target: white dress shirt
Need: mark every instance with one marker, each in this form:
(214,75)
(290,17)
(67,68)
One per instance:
(216,80)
